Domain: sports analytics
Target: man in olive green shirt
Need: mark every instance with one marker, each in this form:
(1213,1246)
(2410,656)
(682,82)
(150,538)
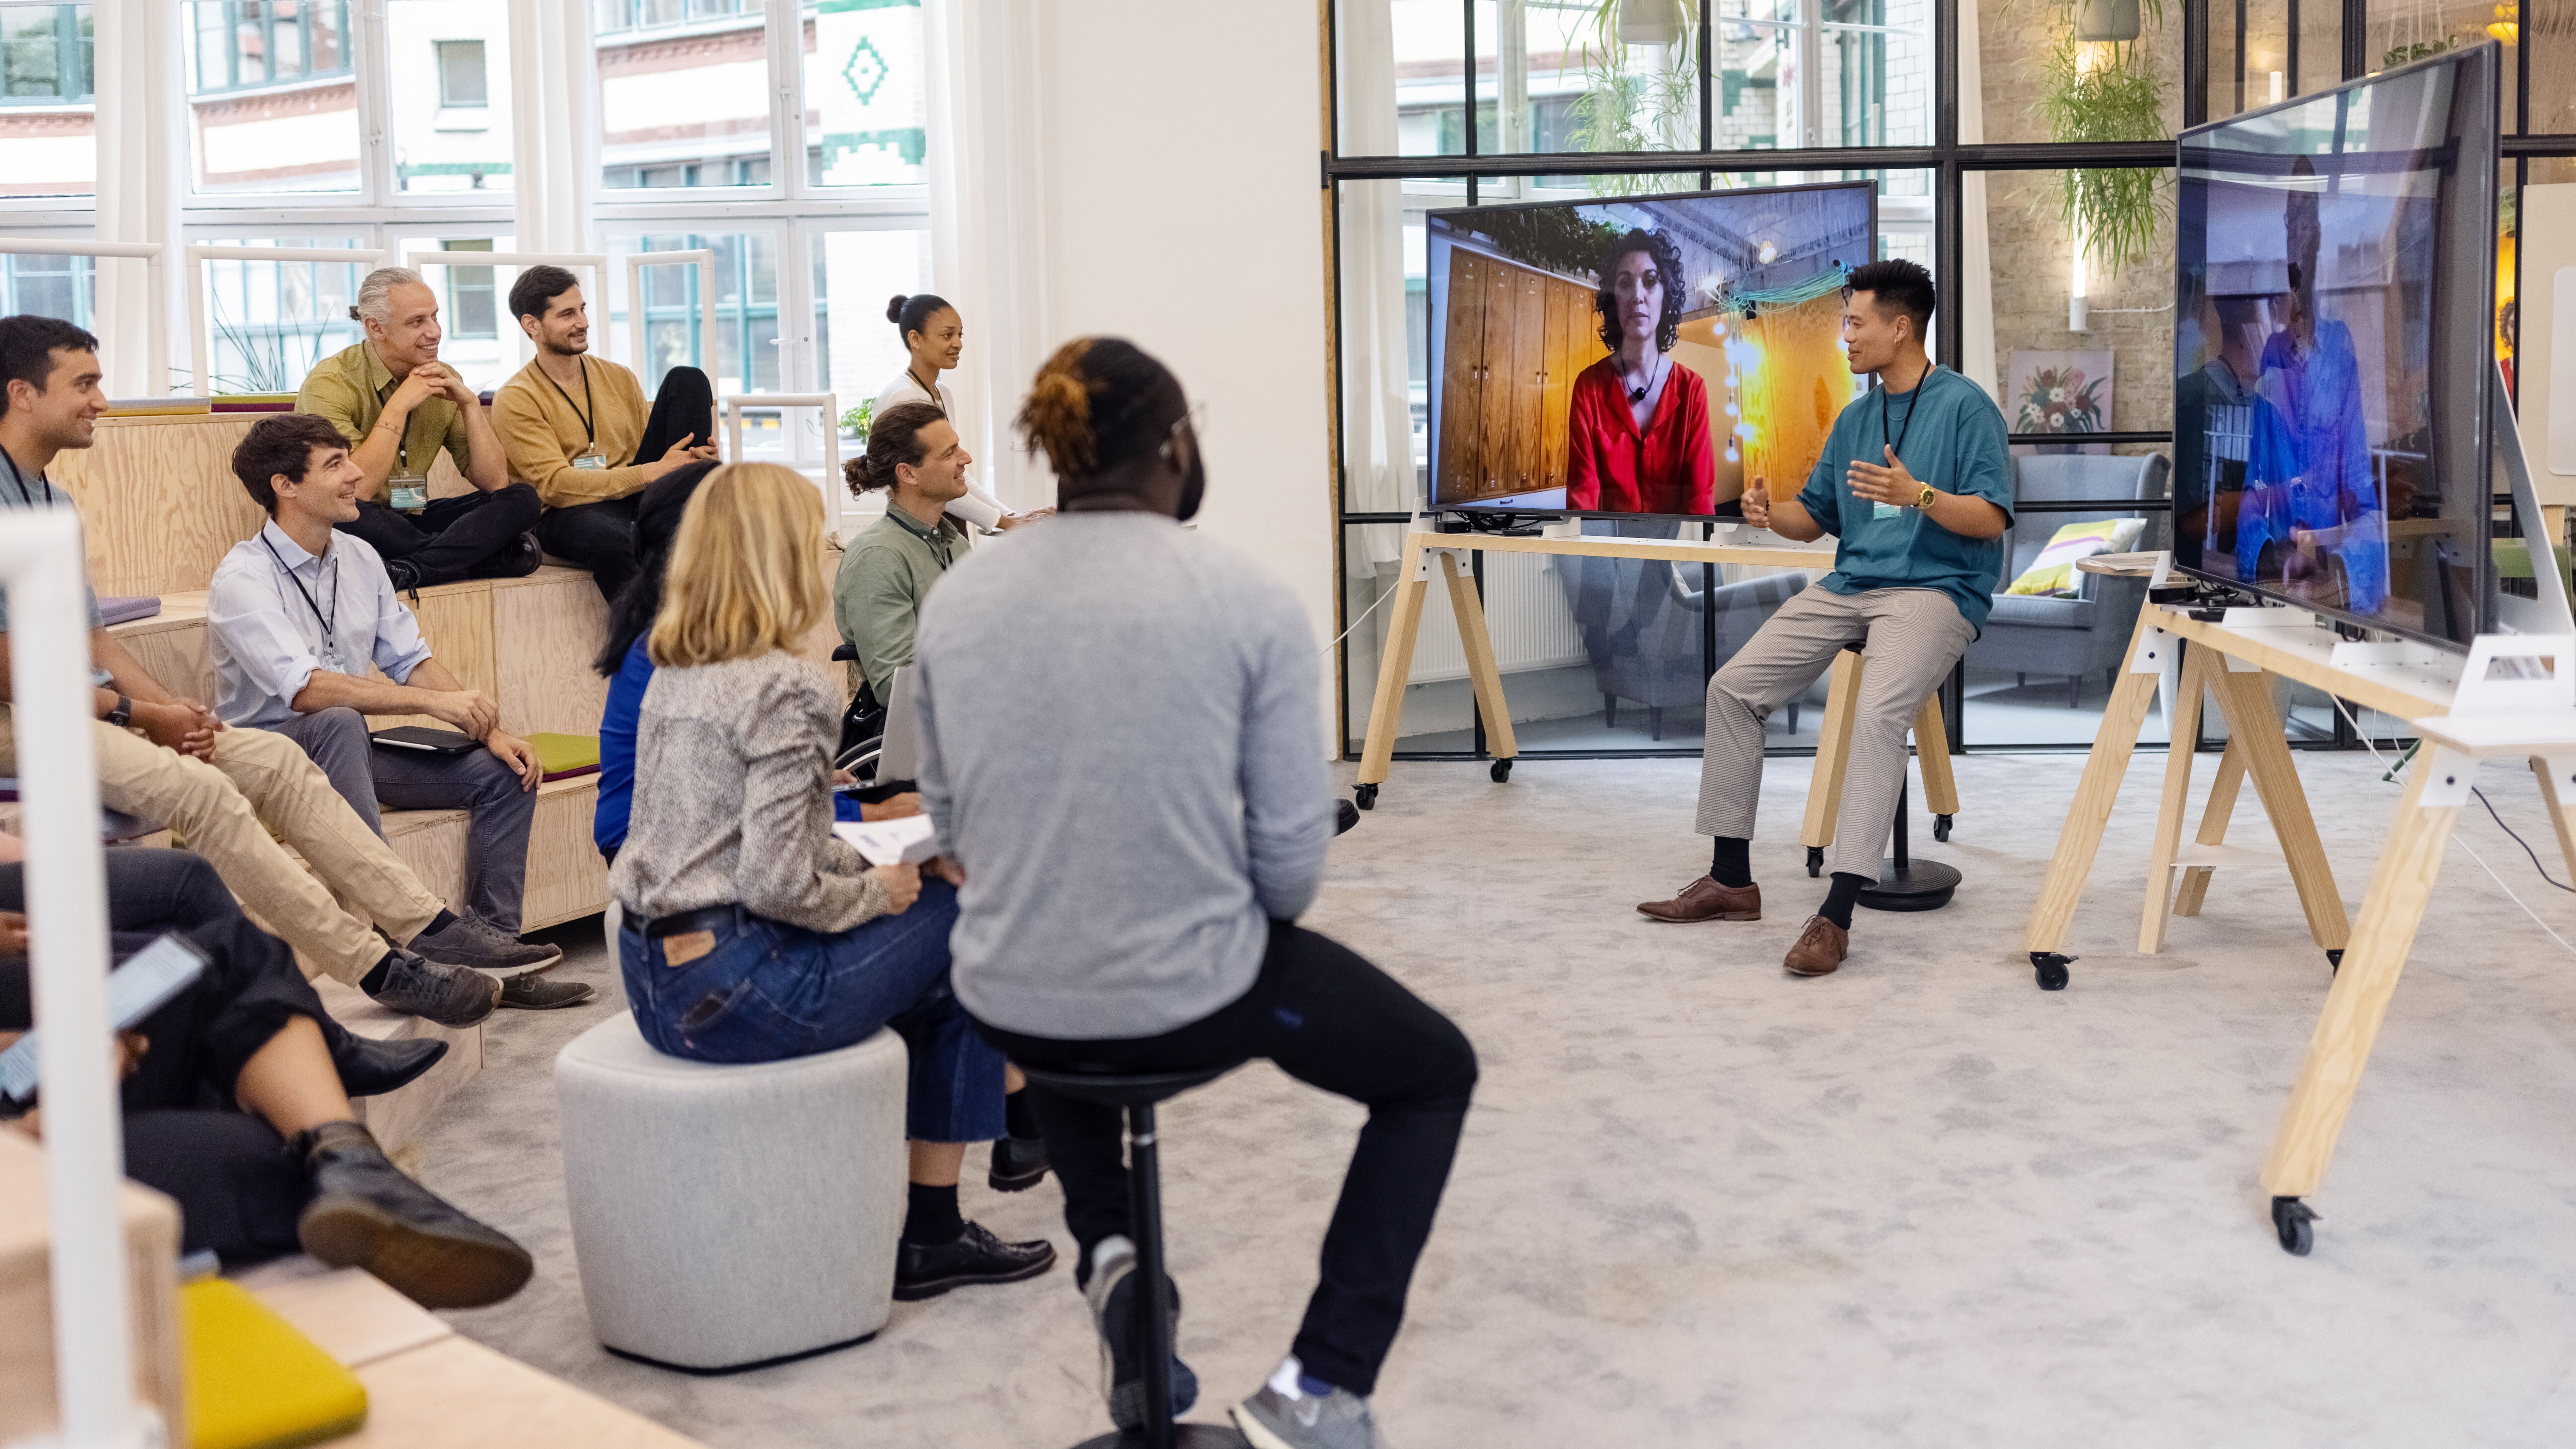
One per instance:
(399,407)
(913,453)
(575,427)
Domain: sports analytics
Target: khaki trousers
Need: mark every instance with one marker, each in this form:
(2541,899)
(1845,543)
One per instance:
(1910,639)
(259,776)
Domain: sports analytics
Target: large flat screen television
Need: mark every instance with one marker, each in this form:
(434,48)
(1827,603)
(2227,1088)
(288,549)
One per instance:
(2334,314)
(1735,299)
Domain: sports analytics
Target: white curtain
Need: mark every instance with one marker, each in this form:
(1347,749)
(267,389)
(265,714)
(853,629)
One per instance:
(1975,309)
(554,158)
(142,178)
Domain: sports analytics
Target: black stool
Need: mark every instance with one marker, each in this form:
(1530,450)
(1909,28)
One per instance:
(1137,1092)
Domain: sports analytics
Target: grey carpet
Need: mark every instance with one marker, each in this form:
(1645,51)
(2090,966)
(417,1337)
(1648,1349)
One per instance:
(1916,1203)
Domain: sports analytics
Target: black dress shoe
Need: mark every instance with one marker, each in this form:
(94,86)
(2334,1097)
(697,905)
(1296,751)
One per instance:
(366,1213)
(1345,815)
(371,1068)
(976,1257)
(1019,1163)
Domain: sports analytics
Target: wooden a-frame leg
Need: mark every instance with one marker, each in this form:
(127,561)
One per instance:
(2179,758)
(1932,757)
(2558,791)
(1833,749)
(2246,700)
(2391,910)
(2081,837)
(1395,664)
(2213,828)
(1478,645)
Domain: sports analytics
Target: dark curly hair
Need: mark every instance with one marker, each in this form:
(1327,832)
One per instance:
(280,443)
(1097,402)
(894,439)
(1668,266)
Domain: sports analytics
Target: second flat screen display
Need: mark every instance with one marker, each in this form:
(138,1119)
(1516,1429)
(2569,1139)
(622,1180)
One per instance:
(1643,356)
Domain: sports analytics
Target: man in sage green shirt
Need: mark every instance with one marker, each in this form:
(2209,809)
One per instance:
(913,454)
(399,407)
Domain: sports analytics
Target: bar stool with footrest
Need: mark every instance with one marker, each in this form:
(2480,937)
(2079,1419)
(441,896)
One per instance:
(1136,1093)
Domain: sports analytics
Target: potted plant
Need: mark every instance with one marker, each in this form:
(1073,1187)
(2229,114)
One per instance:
(2096,86)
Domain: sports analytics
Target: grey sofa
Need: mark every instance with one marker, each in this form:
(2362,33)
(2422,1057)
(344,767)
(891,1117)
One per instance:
(1640,621)
(2077,637)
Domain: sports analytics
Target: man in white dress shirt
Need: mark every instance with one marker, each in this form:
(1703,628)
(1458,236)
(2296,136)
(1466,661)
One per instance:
(296,614)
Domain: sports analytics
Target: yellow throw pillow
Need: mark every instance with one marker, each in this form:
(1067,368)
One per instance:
(2052,574)
(252,1381)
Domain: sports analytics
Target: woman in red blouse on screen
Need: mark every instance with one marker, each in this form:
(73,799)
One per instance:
(1637,427)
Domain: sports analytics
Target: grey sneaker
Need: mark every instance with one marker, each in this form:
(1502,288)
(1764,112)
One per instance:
(473,941)
(448,995)
(1112,1296)
(1280,1416)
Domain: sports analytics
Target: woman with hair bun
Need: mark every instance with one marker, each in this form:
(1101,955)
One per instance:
(934,337)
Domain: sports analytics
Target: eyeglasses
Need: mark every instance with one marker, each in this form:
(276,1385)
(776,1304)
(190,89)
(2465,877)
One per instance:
(1196,420)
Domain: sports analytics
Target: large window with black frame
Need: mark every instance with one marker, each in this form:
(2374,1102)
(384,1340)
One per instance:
(2022,149)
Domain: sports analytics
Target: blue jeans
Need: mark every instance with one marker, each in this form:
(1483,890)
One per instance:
(769,991)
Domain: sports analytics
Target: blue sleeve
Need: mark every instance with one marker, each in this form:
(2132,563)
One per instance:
(1287,791)
(1822,497)
(1981,456)
(617,748)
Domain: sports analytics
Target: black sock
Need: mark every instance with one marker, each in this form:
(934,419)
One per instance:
(933,1218)
(374,981)
(1845,894)
(440,922)
(1731,863)
(1018,1117)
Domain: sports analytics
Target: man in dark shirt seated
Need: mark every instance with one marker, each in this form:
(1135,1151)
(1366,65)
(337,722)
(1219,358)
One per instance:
(243,1062)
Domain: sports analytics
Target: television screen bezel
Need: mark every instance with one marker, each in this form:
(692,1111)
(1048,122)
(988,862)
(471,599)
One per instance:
(2484,63)
(1726,513)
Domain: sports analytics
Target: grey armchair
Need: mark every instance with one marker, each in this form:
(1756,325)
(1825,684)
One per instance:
(2080,636)
(1640,622)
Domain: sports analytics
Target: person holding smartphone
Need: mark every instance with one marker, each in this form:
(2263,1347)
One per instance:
(1916,483)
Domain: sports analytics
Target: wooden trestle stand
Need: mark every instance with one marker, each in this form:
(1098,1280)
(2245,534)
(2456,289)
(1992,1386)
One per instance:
(1446,555)
(2462,717)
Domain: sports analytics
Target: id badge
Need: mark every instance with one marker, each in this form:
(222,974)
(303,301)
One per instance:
(1885,510)
(410,495)
(591,460)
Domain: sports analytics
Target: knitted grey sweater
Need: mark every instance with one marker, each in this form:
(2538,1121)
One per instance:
(733,802)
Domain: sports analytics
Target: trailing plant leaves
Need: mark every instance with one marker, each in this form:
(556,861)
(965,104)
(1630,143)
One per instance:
(2115,212)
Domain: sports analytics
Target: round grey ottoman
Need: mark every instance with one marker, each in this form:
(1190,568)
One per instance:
(726,1217)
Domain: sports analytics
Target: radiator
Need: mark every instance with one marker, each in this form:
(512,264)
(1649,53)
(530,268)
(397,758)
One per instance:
(1525,611)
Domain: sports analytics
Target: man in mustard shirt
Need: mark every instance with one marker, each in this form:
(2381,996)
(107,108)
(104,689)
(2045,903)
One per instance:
(399,407)
(575,426)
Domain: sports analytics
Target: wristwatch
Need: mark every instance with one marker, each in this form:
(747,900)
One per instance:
(1924,498)
(123,714)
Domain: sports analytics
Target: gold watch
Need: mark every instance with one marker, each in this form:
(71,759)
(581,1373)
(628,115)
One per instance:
(1924,498)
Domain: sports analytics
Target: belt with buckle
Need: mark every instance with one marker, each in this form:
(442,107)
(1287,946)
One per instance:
(705,918)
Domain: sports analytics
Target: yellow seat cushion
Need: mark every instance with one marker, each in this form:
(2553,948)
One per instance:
(253,1382)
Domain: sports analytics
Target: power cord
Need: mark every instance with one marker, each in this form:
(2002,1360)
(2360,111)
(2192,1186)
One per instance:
(2364,736)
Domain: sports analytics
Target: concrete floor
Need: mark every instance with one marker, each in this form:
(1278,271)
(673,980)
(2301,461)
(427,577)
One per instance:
(1917,1203)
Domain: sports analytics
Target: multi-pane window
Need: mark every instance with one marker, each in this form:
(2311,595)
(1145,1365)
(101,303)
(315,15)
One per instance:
(48,286)
(460,74)
(273,96)
(684,93)
(47,56)
(745,354)
(247,43)
(450,102)
(272,321)
(473,311)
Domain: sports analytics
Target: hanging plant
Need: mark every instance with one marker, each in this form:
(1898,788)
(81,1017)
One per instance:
(1650,110)
(2109,95)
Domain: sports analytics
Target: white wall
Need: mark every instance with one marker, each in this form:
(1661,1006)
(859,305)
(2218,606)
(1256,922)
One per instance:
(1174,146)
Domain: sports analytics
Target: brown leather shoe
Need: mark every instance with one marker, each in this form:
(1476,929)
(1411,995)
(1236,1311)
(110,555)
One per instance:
(1821,947)
(1705,900)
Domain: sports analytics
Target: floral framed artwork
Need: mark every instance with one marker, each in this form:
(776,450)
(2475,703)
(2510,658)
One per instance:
(2060,392)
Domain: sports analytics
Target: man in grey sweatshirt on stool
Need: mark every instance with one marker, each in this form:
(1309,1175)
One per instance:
(1122,750)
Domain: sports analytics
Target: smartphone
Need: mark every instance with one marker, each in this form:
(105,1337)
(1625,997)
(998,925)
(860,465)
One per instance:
(141,986)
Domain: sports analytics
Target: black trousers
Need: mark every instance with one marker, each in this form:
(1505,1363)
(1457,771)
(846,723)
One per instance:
(239,1191)
(601,536)
(1331,1020)
(470,536)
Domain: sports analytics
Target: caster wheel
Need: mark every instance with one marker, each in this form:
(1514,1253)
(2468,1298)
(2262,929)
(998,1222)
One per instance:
(1365,797)
(1940,827)
(1501,772)
(2293,1220)
(1815,861)
(2050,968)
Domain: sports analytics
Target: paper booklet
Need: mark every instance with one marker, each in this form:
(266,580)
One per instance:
(908,841)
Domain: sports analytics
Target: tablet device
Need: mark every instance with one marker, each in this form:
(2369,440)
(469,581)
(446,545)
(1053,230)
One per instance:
(135,990)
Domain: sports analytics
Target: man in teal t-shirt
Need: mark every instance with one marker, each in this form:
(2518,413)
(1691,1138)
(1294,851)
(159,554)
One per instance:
(1914,483)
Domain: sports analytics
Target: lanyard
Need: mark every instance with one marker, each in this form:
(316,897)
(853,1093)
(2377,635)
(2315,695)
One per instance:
(1911,408)
(330,647)
(939,548)
(25,494)
(929,389)
(589,436)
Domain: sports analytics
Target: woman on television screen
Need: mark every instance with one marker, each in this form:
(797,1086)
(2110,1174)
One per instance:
(1637,426)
